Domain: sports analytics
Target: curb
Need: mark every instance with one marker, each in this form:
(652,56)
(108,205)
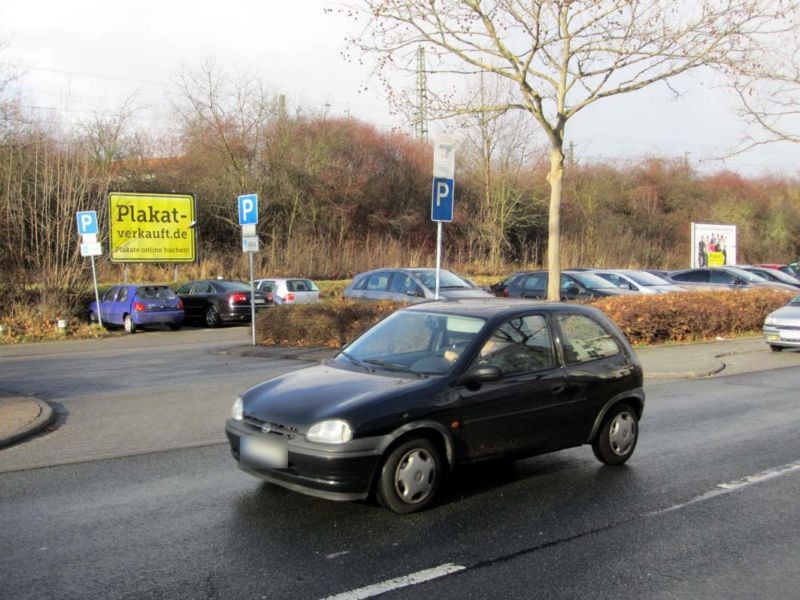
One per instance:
(46,417)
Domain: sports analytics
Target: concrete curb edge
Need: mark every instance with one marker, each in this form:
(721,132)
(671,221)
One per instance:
(46,417)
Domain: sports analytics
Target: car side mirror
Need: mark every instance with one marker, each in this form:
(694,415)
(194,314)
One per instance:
(473,377)
(572,289)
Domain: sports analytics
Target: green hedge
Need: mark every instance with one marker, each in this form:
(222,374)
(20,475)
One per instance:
(645,319)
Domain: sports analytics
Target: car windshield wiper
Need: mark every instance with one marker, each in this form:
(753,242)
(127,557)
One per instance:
(390,366)
(353,360)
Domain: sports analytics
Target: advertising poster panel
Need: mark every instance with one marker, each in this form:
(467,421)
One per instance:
(713,245)
(145,228)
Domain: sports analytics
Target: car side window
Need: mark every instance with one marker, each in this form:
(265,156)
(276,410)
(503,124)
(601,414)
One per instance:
(266,286)
(518,346)
(109,295)
(123,294)
(184,289)
(203,287)
(378,281)
(722,277)
(535,282)
(584,339)
(403,284)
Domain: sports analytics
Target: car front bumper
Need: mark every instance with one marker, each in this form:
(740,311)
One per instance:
(330,471)
(786,338)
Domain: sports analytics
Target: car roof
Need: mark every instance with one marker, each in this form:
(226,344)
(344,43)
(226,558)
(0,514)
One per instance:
(488,308)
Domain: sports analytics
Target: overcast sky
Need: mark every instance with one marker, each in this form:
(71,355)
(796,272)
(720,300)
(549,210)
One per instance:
(88,55)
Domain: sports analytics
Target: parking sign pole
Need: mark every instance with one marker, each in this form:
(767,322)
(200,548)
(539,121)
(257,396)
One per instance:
(438,255)
(96,294)
(252,300)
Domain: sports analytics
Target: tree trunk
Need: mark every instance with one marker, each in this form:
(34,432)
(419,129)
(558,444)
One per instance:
(555,178)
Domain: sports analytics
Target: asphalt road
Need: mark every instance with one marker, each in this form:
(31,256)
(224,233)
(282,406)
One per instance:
(706,508)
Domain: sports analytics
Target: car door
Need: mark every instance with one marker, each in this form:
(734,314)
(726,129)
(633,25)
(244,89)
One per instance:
(519,413)
(376,287)
(403,288)
(597,367)
(106,304)
(533,285)
(120,306)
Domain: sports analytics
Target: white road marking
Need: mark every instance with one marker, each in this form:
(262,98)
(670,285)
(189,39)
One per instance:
(732,486)
(449,568)
(397,583)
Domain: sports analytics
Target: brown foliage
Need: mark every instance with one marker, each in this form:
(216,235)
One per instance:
(680,317)
(331,324)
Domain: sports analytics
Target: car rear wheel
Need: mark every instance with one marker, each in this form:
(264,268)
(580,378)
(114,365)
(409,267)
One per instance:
(130,326)
(410,476)
(174,326)
(617,437)
(775,348)
(212,317)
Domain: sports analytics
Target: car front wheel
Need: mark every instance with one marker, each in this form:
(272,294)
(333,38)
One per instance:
(212,317)
(775,348)
(617,437)
(410,477)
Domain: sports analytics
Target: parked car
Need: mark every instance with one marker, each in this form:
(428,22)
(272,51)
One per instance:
(791,269)
(638,281)
(575,285)
(217,301)
(289,290)
(499,288)
(774,275)
(410,285)
(440,384)
(658,273)
(782,327)
(732,278)
(138,305)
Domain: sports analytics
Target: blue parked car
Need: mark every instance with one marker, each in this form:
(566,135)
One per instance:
(136,305)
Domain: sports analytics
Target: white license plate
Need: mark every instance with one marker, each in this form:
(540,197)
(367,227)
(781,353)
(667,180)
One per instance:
(259,301)
(270,451)
(793,335)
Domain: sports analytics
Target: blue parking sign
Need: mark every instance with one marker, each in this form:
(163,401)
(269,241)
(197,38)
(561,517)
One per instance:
(248,209)
(442,199)
(87,222)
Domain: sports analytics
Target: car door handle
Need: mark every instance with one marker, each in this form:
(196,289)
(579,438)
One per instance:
(558,388)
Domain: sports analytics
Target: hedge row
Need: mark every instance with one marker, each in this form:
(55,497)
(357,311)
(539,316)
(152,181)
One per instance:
(645,319)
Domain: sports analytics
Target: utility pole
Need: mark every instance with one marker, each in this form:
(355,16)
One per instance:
(421,121)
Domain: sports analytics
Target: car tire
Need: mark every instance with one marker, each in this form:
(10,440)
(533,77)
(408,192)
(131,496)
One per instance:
(616,440)
(410,476)
(91,318)
(775,348)
(174,326)
(130,326)
(212,317)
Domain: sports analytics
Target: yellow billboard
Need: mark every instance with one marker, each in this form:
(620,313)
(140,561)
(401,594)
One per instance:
(152,227)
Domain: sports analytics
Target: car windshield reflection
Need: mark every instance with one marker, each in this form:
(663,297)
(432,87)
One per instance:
(415,342)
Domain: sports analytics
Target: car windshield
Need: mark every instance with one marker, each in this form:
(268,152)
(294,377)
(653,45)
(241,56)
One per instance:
(424,343)
(746,275)
(447,280)
(233,285)
(780,276)
(795,301)
(645,278)
(592,281)
(155,292)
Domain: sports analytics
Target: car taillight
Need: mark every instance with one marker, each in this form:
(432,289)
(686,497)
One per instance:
(238,297)
(505,293)
(179,305)
(139,307)
(289,297)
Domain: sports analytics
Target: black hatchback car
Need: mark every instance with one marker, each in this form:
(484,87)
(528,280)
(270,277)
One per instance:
(436,385)
(575,285)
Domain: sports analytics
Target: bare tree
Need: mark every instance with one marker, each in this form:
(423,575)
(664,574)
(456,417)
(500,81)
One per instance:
(561,55)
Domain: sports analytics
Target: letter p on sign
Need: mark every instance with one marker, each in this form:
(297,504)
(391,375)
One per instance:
(87,222)
(248,209)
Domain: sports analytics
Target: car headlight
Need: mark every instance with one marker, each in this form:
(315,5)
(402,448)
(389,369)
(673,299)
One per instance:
(237,412)
(771,321)
(334,431)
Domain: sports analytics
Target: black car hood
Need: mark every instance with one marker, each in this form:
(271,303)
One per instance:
(301,398)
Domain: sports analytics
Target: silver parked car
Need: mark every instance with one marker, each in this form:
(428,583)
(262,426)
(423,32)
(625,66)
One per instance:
(290,290)
(782,327)
(410,285)
(638,281)
(732,278)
